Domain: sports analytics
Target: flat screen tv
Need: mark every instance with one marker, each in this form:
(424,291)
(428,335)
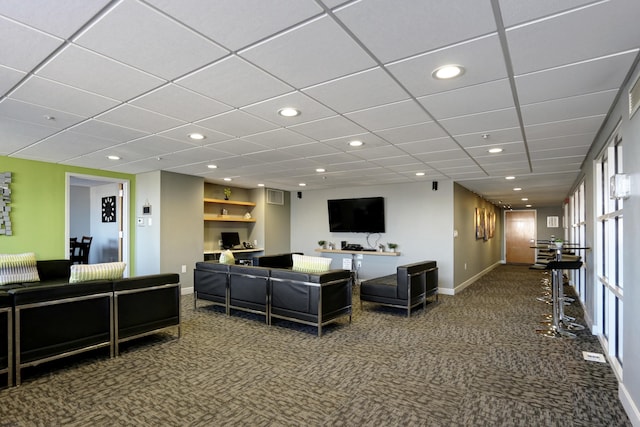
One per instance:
(361,215)
(230,239)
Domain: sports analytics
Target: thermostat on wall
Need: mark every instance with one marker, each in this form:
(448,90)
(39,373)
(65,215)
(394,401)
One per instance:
(146,210)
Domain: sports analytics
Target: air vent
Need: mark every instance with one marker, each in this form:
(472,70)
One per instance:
(634,97)
(275,197)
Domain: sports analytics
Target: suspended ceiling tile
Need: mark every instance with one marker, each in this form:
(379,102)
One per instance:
(373,153)
(22,48)
(238,146)
(108,131)
(591,36)
(138,118)
(559,152)
(481,122)
(358,91)
(496,136)
(516,12)
(411,133)
(369,139)
(234,82)
(181,133)
(564,128)
(312,53)
(83,69)
(150,146)
(64,146)
(150,41)
(328,128)
(269,156)
(278,138)
(310,109)
(312,150)
(415,73)
(489,96)
(177,102)
(53,17)
(428,146)
(389,116)
(237,123)
(579,140)
(568,108)
(49,94)
(18,110)
(394,30)
(236,24)
(576,79)
(9,78)
(16,135)
(508,147)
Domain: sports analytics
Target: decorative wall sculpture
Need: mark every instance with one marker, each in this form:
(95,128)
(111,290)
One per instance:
(5,201)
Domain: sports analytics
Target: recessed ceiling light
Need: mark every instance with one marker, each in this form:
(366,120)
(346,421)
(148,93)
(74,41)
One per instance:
(419,173)
(524,199)
(113,157)
(197,136)
(517,189)
(495,150)
(50,118)
(356,143)
(320,170)
(260,185)
(212,166)
(226,179)
(448,72)
(289,112)
(527,206)
(302,184)
(509,177)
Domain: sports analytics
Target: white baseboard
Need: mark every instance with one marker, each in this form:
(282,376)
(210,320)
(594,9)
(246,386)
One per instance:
(186,291)
(469,281)
(629,405)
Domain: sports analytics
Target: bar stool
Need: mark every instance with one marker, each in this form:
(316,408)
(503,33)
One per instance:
(560,324)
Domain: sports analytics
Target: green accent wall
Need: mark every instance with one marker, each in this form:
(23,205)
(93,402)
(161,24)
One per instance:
(38,207)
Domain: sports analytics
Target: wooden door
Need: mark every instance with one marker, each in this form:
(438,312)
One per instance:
(520,235)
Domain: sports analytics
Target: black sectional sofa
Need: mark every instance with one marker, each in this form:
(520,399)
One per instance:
(408,288)
(310,298)
(52,319)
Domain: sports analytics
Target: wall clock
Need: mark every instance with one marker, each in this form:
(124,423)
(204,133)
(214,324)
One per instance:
(109,209)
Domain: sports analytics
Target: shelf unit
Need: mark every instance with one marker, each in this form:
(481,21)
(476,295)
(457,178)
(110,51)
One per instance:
(340,251)
(228,218)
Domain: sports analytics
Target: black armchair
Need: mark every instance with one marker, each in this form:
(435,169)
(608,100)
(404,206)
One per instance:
(6,339)
(406,289)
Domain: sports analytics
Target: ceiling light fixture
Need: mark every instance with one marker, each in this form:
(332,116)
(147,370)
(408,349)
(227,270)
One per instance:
(113,157)
(517,189)
(196,136)
(524,199)
(356,143)
(509,177)
(527,206)
(261,185)
(289,112)
(320,170)
(419,173)
(226,179)
(495,150)
(448,72)
(212,166)
(302,184)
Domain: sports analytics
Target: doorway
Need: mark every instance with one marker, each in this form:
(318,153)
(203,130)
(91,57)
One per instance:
(85,195)
(520,236)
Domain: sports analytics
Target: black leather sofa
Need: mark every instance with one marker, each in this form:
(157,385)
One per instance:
(52,319)
(307,298)
(6,339)
(408,288)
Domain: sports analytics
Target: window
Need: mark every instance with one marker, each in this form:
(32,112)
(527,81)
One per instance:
(608,253)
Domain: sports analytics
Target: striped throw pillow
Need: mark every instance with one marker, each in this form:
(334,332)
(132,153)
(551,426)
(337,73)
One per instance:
(18,268)
(310,264)
(102,271)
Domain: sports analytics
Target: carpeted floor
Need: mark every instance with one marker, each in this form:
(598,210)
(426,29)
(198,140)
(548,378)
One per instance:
(468,360)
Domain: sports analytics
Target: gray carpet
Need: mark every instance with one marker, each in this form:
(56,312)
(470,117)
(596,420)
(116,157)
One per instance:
(468,360)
